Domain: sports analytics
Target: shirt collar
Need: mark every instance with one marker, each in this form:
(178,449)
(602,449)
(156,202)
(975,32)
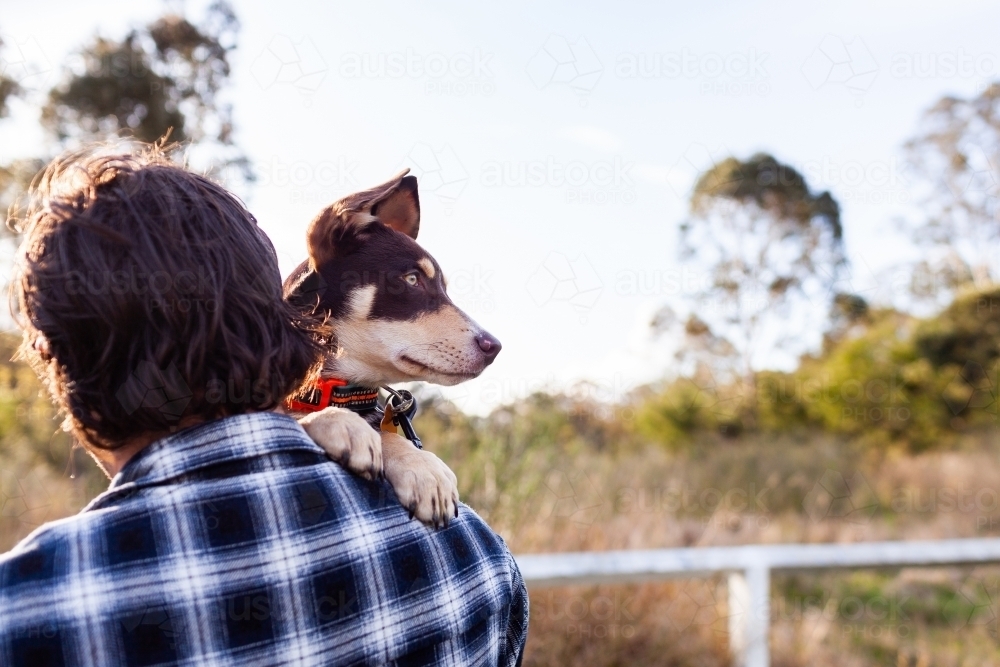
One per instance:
(232,438)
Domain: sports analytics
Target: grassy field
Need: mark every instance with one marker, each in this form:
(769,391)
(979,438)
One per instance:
(767,492)
(535,474)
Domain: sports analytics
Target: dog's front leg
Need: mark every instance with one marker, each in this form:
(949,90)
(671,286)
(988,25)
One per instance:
(422,482)
(347,439)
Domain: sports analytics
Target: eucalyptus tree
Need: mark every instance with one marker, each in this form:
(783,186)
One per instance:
(955,165)
(769,251)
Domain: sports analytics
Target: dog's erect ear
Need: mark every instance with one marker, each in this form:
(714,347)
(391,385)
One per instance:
(395,203)
(400,207)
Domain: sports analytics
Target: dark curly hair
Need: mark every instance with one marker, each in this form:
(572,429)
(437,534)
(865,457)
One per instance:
(149,296)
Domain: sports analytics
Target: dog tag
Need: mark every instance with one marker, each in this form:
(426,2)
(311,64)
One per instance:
(388,424)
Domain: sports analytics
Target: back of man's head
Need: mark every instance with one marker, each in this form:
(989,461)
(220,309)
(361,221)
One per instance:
(149,297)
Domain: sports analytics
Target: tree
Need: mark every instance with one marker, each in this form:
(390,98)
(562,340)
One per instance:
(955,157)
(15,176)
(768,248)
(14,180)
(848,314)
(161,80)
(8,88)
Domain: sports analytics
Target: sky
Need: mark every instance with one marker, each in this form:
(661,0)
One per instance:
(555,144)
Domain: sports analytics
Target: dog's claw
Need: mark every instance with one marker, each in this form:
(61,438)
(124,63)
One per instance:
(423,483)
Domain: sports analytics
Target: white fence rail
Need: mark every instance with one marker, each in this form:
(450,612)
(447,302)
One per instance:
(749,573)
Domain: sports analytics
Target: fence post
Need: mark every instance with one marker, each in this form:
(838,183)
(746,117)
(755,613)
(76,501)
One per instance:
(749,616)
(739,607)
(758,616)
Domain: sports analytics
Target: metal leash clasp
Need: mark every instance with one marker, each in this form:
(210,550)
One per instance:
(404,408)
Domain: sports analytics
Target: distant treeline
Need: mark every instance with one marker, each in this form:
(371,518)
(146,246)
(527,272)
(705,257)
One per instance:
(885,377)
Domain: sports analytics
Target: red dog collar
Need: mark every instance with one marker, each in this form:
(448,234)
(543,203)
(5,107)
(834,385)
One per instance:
(327,392)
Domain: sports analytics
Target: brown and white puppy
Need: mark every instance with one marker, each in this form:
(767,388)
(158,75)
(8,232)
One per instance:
(393,321)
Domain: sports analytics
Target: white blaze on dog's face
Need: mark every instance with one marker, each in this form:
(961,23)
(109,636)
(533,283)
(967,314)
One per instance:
(386,296)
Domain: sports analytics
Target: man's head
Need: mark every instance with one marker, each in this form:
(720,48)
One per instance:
(150,298)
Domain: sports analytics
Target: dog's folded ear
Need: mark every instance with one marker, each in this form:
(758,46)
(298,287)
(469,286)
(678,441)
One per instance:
(304,289)
(338,227)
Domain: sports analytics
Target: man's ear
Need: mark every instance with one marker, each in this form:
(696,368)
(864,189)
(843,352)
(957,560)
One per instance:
(339,227)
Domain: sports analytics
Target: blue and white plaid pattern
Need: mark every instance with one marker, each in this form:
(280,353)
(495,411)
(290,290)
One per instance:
(238,543)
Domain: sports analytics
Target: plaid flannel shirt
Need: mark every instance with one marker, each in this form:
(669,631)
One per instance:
(238,543)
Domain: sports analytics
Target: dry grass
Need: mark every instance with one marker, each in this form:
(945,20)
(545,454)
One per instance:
(32,493)
(760,491)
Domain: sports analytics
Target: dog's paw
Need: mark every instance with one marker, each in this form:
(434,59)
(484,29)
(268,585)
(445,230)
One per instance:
(422,482)
(347,439)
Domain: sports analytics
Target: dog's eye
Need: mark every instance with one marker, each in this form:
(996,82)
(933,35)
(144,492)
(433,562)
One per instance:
(411,278)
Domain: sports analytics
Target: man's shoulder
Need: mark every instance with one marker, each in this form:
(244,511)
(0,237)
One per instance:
(45,555)
(309,500)
(312,528)
(33,559)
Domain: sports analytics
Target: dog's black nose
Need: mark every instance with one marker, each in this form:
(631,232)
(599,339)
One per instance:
(489,345)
